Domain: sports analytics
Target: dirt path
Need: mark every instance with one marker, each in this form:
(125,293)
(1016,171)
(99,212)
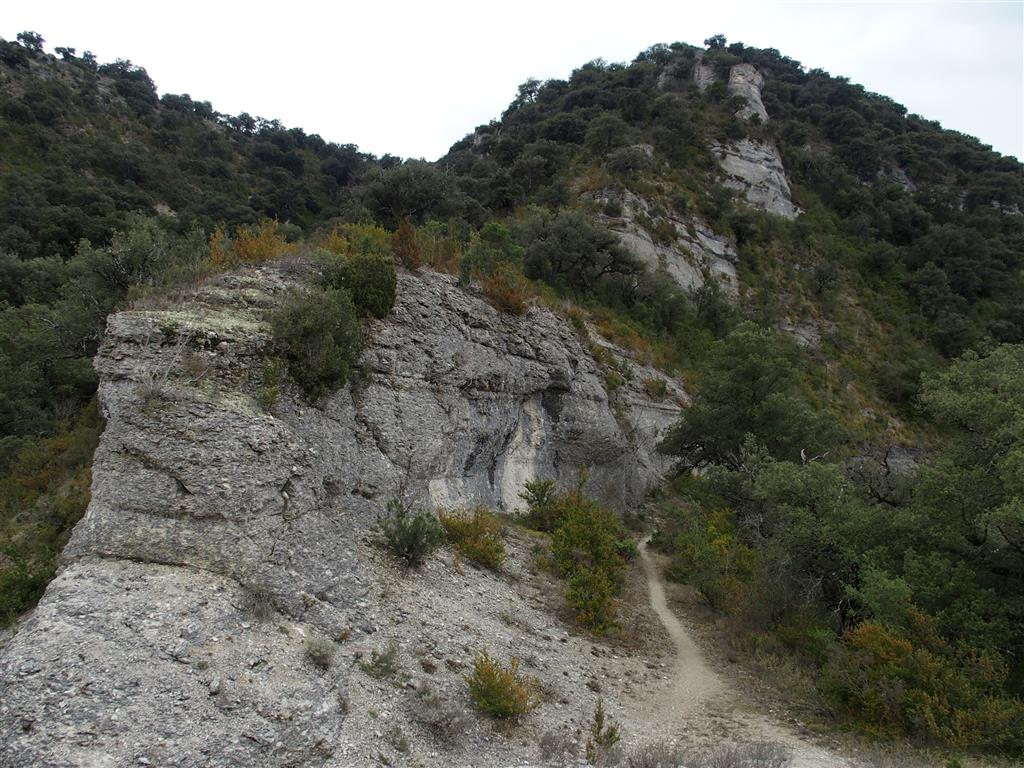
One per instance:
(693,681)
(696,688)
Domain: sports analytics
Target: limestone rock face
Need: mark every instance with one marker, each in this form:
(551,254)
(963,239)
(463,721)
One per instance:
(696,251)
(703,74)
(746,81)
(208,496)
(755,169)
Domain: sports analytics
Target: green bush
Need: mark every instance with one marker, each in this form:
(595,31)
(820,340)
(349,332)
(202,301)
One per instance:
(476,534)
(270,391)
(569,251)
(708,553)
(369,278)
(409,536)
(544,512)
(751,386)
(501,691)
(490,249)
(318,334)
(589,549)
(604,736)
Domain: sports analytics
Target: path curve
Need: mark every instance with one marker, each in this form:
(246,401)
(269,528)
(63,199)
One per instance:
(694,685)
(693,681)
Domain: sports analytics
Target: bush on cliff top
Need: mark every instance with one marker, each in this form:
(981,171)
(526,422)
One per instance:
(369,278)
(318,334)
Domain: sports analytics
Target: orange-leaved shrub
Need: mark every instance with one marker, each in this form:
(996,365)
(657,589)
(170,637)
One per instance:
(506,289)
(405,246)
(909,681)
(252,244)
(476,534)
(501,691)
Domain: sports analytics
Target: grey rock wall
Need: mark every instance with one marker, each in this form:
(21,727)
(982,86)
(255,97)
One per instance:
(703,74)
(751,167)
(754,168)
(203,501)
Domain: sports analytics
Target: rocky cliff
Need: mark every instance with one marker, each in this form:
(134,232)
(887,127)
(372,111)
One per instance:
(691,254)
(210,493)
(752,167)
(745,81)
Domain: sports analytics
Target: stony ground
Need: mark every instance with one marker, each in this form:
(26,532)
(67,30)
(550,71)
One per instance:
(652,677)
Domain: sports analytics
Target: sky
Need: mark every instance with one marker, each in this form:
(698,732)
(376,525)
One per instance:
(411,78)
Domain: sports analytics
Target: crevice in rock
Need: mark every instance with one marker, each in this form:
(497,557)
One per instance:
(157,466)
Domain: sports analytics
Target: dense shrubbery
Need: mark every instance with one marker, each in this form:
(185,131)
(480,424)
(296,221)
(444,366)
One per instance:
(405,245)
(318,333)
(568,250)
(370,280)
(908,680)
(251,244)
(901,591)
(492,249)
(44,491)
(589,548)
(543,505)
(750,387)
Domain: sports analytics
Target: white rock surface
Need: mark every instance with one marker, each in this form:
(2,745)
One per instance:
(745,81)
(697,250)
(755,169)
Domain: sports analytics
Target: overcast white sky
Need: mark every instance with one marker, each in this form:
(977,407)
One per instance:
(411,78)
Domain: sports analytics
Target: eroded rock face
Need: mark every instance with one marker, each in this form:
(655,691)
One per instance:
(703,74)
(204,501)
(746,81)
(696,251)
(755,169)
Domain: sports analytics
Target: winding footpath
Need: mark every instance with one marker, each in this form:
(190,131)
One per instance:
(694,686)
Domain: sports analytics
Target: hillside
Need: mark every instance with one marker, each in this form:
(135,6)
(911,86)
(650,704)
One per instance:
(707,259)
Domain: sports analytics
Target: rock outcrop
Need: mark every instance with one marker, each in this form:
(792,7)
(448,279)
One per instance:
(695,253)
(754,168)
(208,496)
(745,81)
(703,74)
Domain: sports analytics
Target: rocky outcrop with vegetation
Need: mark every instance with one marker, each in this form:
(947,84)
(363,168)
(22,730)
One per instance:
(837,282)
(220,494)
